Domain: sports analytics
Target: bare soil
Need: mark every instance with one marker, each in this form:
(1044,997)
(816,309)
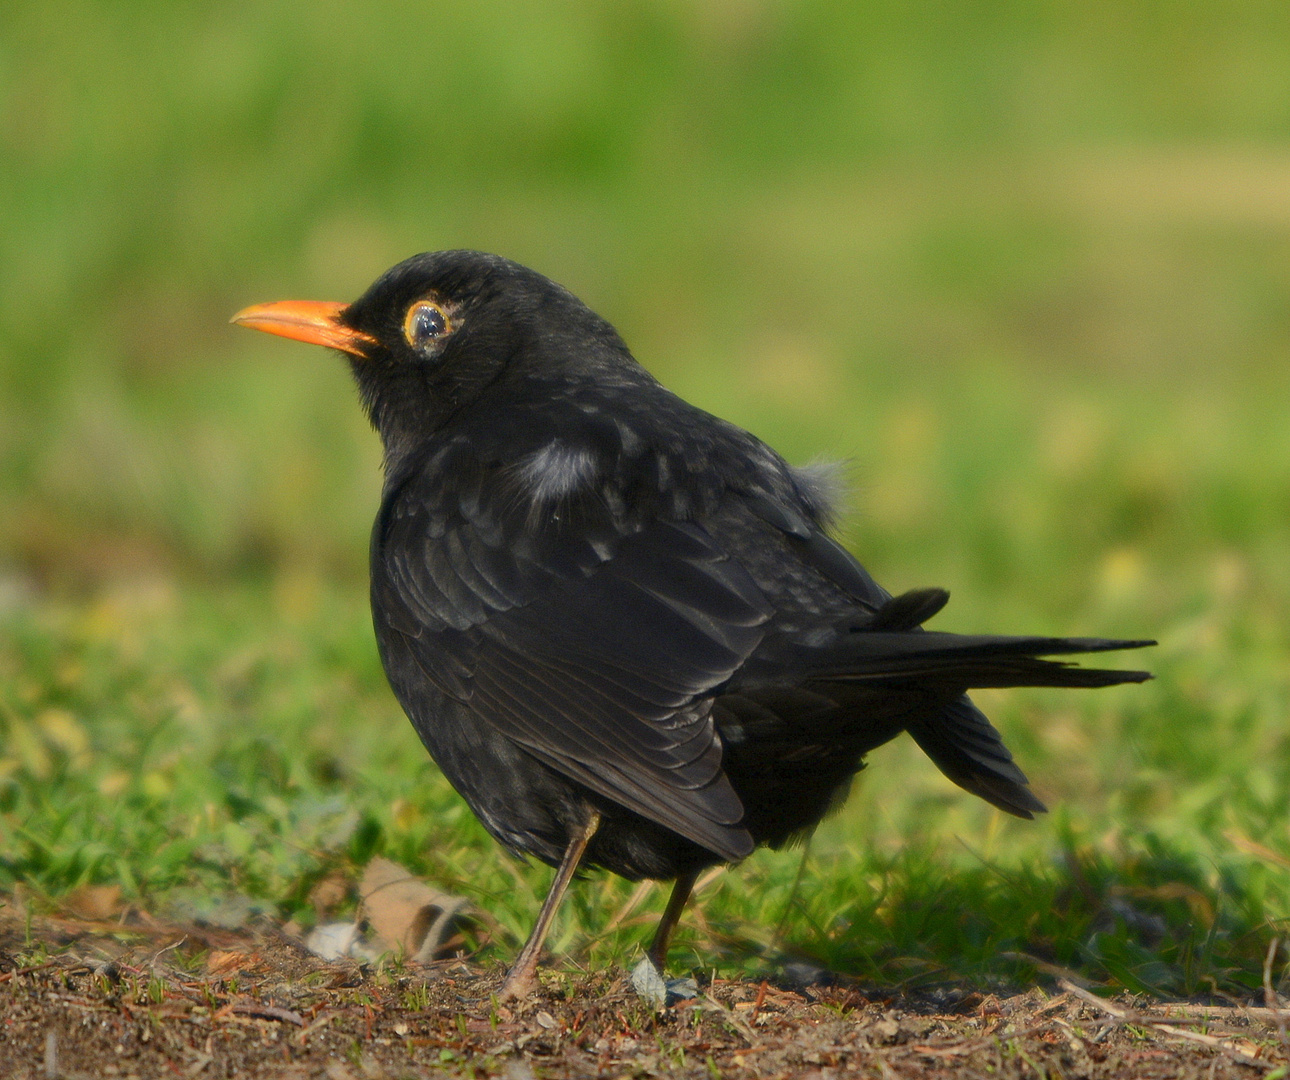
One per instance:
(87,998)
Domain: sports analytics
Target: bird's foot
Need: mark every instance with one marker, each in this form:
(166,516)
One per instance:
(520,981)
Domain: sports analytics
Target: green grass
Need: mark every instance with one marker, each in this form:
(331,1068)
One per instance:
(1027,272)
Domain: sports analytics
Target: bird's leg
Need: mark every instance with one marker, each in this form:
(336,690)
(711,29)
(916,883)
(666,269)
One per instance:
(671,916)
(519,980)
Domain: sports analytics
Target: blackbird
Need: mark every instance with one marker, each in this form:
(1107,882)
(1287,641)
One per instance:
(618,623)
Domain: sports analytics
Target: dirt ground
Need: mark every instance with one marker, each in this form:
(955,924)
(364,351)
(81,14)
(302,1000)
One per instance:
(83,998)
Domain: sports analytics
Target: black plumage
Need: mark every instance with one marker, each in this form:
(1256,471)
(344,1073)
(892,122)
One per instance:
(616,621)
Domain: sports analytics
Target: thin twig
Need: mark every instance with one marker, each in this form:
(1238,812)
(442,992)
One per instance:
(1226,1012)
(1047,967)
(1127,1016)
(970,1046)
(268,1012)
(730,1018)
(152,964)
(1054,1003)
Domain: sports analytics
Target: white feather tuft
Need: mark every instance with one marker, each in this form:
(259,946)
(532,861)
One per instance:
(556,471)
(824,484)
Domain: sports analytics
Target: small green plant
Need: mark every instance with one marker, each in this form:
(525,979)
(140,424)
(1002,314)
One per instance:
(416,998)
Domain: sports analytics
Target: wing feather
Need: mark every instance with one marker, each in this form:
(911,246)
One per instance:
(597,650)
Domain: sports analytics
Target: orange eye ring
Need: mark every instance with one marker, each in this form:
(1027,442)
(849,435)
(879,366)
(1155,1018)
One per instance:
(425,323)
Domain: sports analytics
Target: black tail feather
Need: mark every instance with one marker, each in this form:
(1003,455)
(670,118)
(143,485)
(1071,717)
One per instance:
(954,733)
(968,749)
(908,610)
(930,660)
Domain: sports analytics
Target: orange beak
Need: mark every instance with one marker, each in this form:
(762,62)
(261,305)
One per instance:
(312,321)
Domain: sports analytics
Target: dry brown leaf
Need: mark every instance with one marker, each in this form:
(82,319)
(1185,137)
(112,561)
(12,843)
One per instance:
(95,902)
(405,912)
(1253,847)
(221,961)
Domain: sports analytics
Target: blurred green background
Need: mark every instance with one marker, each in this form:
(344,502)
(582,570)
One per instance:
(1026,266)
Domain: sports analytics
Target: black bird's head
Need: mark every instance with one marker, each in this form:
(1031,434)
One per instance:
(436,331)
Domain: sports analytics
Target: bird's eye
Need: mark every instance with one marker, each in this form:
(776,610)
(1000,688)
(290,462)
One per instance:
(426,323)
